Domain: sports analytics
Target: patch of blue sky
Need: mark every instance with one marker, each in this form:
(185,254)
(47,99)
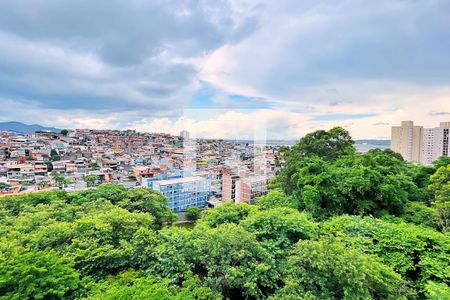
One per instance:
(342,117)
(209,96)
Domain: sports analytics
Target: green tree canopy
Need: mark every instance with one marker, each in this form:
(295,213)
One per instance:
(54,155)
(149,201)
(417,253)
(133,285)
(327,270)
(306,241)
(193,213)
(274,199)
(91,179)
(440,187)
(36,275)
(230,260)
(4,187)
(279,228)
(228,213)
(328,145)
(374,183)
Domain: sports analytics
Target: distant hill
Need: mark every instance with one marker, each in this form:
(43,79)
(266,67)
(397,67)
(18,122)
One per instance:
(24,128)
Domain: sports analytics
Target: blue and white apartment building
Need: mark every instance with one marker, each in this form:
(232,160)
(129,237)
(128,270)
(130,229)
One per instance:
(183,192)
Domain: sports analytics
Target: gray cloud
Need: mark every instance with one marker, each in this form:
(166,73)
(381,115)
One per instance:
(310,46)
(127,61)
(127,32)
(110,56)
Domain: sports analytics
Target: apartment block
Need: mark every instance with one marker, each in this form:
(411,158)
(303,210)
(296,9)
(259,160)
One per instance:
(252,187)
(407,140)
(421,145)
(230,187)
(243,187)
(186,192)
(435,143)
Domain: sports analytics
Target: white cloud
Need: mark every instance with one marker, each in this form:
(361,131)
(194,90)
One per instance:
(116,65)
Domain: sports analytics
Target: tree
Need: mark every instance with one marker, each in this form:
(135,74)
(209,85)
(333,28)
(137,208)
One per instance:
(192,213)
(327,270)
(37,275)
(443,214)
(227,213)
(111,192)
(437,291)
(230,260)
(421,177)
(165,253)
(94,166)
(374,183)
(4,187)
(420,214)
(113,243)
(148,201)
(43,184)
(54,155)
(64,132)
(59,179)
(328,145)
(443,161)
(274,199)
(419,254)
(91,179)
(99,241)
(279,228)
(133,285)
(49,165)
(440,186)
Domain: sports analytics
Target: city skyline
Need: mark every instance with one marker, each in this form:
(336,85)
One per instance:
(299,66)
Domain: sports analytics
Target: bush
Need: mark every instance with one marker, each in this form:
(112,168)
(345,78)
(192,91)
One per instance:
(192,213)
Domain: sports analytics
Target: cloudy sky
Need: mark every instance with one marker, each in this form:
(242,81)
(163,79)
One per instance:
(222,68)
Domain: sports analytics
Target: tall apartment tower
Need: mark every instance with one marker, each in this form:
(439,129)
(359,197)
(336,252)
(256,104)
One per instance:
(445,139)
(422,145)
(184,134)
(407,140)
(435,143)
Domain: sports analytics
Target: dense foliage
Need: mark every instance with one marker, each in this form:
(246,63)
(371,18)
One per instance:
(337,225)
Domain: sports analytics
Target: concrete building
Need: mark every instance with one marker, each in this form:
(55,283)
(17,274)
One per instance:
(184,135)
(421,145)
(435,143)
(243,187)
(407,140)
(252,187)
(230,187)
(186,192)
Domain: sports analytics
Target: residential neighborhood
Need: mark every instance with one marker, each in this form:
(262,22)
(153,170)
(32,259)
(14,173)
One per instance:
(189,172)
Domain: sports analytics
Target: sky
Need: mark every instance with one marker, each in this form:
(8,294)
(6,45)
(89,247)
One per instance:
(226,69)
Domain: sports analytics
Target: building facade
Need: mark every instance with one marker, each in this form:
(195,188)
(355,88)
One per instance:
(183,193)
(230,187)
(407,140)
(421,145)
(252,187)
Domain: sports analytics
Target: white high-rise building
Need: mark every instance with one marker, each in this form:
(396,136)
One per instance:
(431,145)
(406,140)
(184,134)
(418,144)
